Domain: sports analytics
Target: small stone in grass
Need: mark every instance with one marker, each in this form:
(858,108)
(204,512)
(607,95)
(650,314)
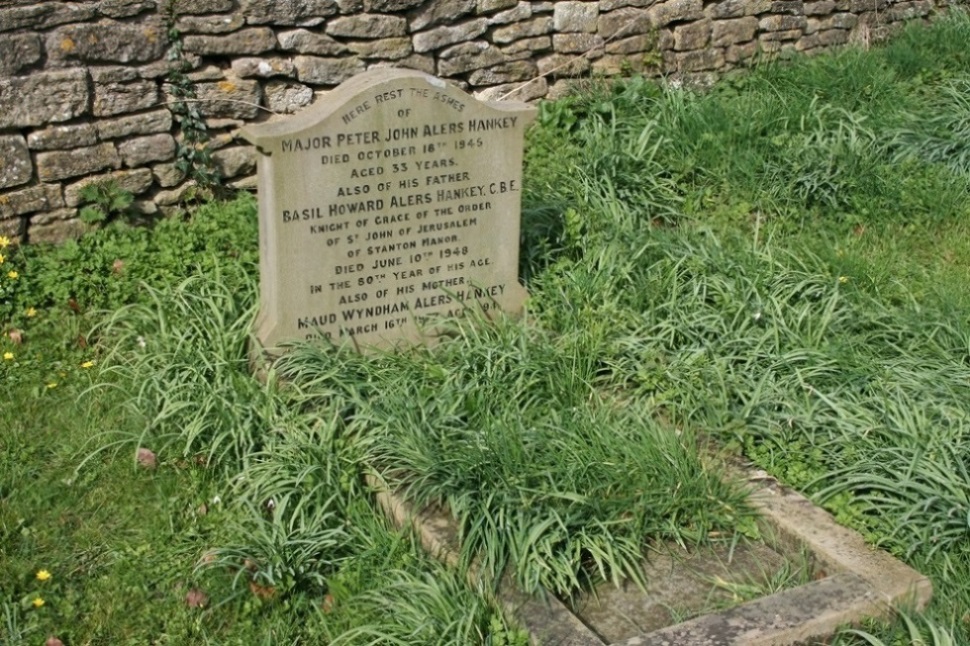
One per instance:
(53,641)
(16,336)
(146,458)
(196,598)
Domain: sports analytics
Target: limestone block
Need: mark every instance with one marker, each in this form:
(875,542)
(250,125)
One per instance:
(774,36)
(326,71)
(843,21)
(831,37)
(652,42)
(109,41)
(210,24)
(381,6)
(386,48)
(782,23)
(248,183)
(174,196)
(111,99)
(253,40)
(738,8)
(24,17)
(488,6)
(15,166)
(18,52)
(511,72)
(136,124)
(528,91)
(790,7)
(443,36)
(741,52)
(674,10)
(624,22)
(611,5)
(528,29)
(700,60)
(575,16)
(465,57)
(528,46)
(235,161)
(43,98)
(284,97)
(251,67)
(113,73)
(62,137)
(304,41)
(577,43)
(167,175)
(539,6)
(125,8)
(694,35)
(150,148)
(438,12)
(42,197)
(368,25)
(233,98)
(183,7)
(560,65)
(135,181)
(350,6)
(57,165)
(162,67)
(421,62)
(819,8)
(521,11)
(287,12)
(733,30)
(63,226)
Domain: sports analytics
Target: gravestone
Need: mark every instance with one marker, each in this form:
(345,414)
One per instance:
(390,203)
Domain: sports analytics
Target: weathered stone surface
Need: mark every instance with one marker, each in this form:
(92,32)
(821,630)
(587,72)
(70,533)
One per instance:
(175,196)
(248,183)
(694,35)
(15,166)
(624,22)
(42,197)
(287,96)
(113,74)
(842,21)
(421,62)
(167,175)
(368,25)
(782,23)
(162,67)
(528,29)
(108,41)
(136,124)
(528,91)
(543,7)
(833,37)
(528,46)
(437,12)
(183,7)
(738,8)
(150,148)
(674,10)
(560,65)
(111,99)
(575,16)
(57,165)
(521,11)
(251,67)
(790,7)
(235,161)
(741,52)
(611,5)
(125,8)
(700,60)
(253,40)
(469,56)
(386,48)
(381,6)
(310,42)
(735,30)
(488,6)
(326,71)
(287,12)
(62,137)
(211,24)
(207,73)
(444,36)
(64,227)
(233,97)
(512,72)
(18,52)
(819,8)
(135,181)
(42,98)
(350,6)
(24,17)
(634,44)
(578,43)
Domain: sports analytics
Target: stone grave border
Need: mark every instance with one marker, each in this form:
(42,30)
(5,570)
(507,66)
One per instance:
(858,580)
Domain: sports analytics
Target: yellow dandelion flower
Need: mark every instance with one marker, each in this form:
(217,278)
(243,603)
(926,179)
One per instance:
(12,275)
(87,364)
(38,602)
(843,279)
(31,312)
(4,242)
(8,356)
(52,384)
(1,258)
(43,575)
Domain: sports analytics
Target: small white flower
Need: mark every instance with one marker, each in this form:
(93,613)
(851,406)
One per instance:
(756,316)
(216,500)
(141,342)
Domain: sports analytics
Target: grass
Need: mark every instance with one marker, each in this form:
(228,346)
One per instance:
(779,263)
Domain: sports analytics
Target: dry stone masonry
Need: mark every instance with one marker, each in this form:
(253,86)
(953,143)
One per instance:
(85,93)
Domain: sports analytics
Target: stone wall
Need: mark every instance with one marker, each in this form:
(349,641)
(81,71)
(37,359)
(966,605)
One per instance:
(84,93)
